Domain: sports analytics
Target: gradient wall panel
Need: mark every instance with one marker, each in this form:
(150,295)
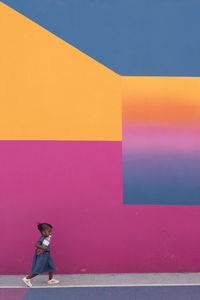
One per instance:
(161,140)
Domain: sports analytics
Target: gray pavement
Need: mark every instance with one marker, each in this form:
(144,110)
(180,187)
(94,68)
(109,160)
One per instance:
(106,280)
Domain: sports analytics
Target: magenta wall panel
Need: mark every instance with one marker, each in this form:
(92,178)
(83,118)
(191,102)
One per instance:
(77,186)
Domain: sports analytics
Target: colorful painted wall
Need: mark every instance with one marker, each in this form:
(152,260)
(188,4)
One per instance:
(99,134)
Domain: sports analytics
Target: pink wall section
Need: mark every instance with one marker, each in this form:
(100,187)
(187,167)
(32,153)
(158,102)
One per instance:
(77,186)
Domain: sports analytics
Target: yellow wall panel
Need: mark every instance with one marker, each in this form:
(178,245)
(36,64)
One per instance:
(50,90)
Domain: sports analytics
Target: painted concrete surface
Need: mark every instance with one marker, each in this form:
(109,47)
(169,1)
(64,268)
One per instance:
(105,293)
(175,286)
(116,293)
(12,294)
(95,280)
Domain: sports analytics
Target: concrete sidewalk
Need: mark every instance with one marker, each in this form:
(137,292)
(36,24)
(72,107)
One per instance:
(103,280)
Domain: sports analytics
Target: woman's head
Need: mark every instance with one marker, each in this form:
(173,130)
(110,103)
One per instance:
(45,229)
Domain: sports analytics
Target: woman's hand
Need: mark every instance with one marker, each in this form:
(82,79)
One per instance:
(39,246)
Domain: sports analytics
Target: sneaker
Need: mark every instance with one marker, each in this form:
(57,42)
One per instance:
(53,281)
(27,282)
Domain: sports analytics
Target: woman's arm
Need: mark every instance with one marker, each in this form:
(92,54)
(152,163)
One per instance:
(39,246)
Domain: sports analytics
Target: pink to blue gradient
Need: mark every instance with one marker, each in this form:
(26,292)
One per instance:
(161,164)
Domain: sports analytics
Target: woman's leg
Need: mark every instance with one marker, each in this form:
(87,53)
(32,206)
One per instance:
(50,275)
(31,276)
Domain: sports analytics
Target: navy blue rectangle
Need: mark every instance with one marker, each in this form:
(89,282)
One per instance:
(162,179)
(116,293)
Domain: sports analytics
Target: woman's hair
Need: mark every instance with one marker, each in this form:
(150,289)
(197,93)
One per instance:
(43,226)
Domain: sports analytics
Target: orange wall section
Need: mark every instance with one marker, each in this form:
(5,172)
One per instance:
(164,100)
(52,91)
